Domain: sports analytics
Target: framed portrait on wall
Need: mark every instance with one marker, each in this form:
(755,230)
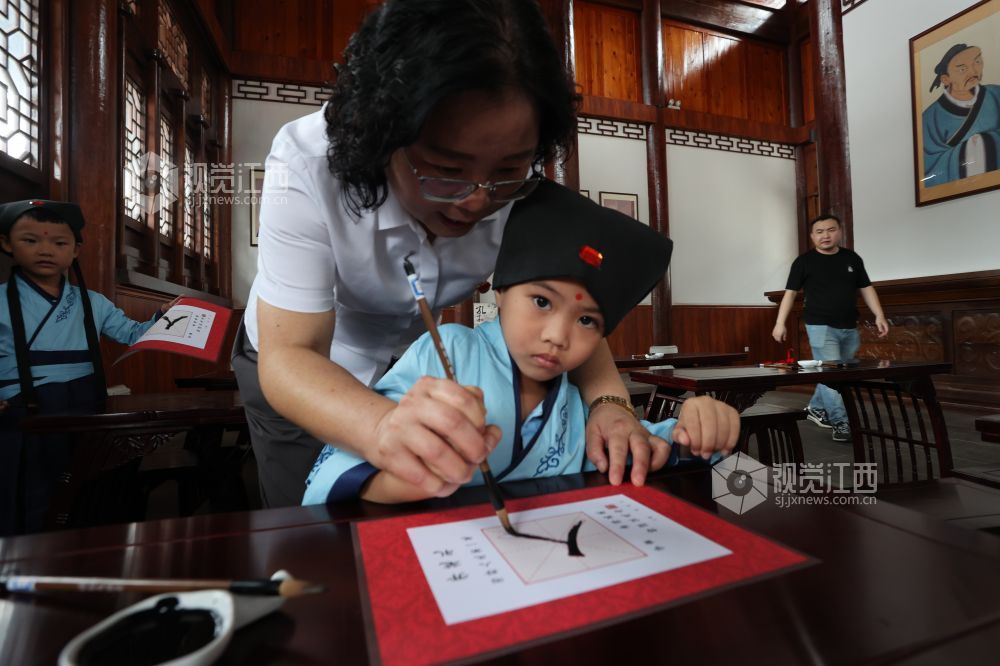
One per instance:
(256,189)
(956,108)
(623,203)
(585,193)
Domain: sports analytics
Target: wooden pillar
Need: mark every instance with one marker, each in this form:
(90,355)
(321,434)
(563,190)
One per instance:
(651,26)
(565,169)
(93,123)
(224,228)
(833,156)
(796,118)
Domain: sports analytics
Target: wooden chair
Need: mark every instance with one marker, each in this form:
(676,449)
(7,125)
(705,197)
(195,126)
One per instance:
(661,406)
(775,431)
(899,427)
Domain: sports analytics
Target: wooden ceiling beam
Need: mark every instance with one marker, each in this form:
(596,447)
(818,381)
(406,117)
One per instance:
(739,17)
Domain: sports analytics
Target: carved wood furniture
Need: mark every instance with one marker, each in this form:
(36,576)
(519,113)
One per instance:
(103,483)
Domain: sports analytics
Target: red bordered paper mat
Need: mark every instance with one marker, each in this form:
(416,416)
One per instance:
(187,311)
(409,629)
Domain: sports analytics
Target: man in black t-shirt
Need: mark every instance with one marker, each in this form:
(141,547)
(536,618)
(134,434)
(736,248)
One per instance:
(831,276)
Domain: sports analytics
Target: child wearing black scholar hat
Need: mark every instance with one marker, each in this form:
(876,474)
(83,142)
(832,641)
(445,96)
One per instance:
(567,273)
(49,349)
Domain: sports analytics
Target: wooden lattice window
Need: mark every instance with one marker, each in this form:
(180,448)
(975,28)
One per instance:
(19,80)
(166,170)
(189,199)
(172,42)
(206,219)
(135,150)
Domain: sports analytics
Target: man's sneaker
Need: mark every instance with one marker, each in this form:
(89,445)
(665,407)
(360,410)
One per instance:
(841,432)
(818,416)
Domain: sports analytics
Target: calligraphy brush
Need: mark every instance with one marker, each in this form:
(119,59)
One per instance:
(287,587)
(484,467)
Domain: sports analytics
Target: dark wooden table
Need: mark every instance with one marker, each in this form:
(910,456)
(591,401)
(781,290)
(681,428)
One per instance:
(127,411)
(742,386)
(109,447)
(895,418)
(682,360)
(889,584)
(222,380)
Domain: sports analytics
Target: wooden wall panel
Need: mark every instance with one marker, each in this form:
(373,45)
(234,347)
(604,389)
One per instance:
(808,84)
(766,79)
(709,72)
(726,328)
(725,67)
(634,334)
(607,51)
(292,40)
(154,371)
(684,67)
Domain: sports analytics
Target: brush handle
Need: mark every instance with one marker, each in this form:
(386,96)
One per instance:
(425,311)
(43,583)
(491,486)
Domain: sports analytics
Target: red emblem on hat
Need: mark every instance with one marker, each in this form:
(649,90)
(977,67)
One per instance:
(591,256)
(36,202)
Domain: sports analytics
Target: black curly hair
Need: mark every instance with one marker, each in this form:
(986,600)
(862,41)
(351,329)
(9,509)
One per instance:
(408,55)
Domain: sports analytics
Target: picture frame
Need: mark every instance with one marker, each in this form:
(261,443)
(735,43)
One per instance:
(956,116)
(585,193)
(256,191)
(622,202)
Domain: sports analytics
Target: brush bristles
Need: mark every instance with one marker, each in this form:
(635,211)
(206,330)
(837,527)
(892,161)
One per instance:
(505,521)
(290,587)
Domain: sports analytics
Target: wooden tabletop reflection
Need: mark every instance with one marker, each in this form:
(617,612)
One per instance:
(887,584)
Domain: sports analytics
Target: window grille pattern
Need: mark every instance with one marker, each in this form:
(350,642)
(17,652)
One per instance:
(172,43)
(166,159)
(206,217)
(189,198)
(134,167)
(19,80)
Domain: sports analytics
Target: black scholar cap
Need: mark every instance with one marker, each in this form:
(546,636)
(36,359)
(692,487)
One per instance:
(67,212)
(558,233)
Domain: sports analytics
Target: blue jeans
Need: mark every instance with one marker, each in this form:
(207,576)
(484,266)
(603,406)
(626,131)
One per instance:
(831,344)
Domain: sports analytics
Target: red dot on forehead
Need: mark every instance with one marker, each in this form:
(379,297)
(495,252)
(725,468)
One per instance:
(579,297)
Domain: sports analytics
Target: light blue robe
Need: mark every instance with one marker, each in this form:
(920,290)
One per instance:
(57,339)
(946,130)
(480,358)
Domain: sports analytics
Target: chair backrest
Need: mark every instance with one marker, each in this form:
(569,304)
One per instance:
(660,406)
(899,427)
(776,433)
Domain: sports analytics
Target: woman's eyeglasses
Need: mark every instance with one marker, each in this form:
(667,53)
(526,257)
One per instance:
(450,190)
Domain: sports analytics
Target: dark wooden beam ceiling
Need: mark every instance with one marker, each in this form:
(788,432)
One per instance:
(731,16)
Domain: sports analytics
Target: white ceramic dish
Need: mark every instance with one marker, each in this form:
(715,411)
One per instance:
(810,364)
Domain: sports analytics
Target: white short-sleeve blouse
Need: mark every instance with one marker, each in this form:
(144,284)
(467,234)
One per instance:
(315,256)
